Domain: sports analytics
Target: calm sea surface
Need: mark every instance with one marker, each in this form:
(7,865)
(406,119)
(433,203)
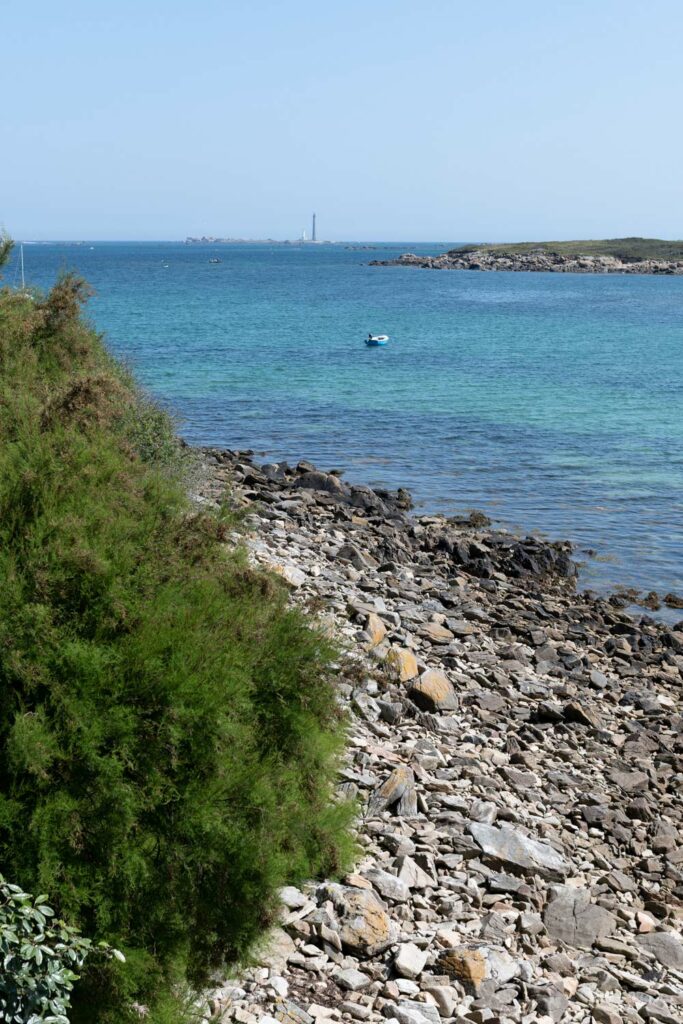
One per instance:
(552,402)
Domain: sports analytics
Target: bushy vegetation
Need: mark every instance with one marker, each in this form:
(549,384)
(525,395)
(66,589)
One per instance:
(168,727)
(40,957)
(627,249)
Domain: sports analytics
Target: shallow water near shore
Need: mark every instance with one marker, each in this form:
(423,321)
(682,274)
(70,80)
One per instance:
(552,402)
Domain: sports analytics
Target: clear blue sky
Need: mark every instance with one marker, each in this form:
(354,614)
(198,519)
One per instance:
(393,119)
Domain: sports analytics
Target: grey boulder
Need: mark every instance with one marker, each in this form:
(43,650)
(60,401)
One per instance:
(509,846)
(574,920)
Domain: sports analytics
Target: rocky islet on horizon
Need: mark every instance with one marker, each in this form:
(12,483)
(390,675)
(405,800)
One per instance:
(540,261)
(516,750)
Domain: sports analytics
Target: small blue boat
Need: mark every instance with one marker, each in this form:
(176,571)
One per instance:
(375,340)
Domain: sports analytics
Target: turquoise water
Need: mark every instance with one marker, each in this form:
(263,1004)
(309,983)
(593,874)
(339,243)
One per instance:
(552,402)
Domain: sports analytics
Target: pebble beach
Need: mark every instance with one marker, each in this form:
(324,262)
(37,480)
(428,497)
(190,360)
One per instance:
(515,750)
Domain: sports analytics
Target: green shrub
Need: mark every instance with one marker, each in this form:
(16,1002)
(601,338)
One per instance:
(168,724)
(40,957)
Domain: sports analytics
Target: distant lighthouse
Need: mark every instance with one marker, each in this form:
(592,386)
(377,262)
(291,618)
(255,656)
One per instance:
(313,238)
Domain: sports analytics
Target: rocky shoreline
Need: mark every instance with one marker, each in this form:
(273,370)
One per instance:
(539,262)
(516,750)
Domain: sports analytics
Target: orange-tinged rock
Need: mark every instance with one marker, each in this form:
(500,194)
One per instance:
(433,691)
(358,882)
(645,922)
(439,634)
(468,966)
(376,629)
(366,927)
(403,662)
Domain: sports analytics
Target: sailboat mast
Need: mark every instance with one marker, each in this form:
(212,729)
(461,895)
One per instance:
(21,256)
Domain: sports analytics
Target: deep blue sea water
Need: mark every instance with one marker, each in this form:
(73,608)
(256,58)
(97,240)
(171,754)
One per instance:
(552,402)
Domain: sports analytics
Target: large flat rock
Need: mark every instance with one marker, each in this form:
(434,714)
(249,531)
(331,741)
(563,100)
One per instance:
(511,847)
(572,918)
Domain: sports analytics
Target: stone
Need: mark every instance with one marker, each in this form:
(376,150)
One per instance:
(403,663)
(530,924)
(279,985)
(511,847)
(412,874)
(291,575)
(433,691)
(359,1011)
(352,980)
(630,782)
(660,1013)
(666,947)
(406,987)
(319,1012)
(574,920)
(603,1013)
(409,961)
(501,967)
(398,788)
(317,481)
(467,965)
(389,886)
(292,897)
(410,1012)
(437,633)
(646,923)
(275,950)
(291,1013)
(365,927)
(358,559)
(576,712)
(484,811)
(376,629)
(445,997)
(550,1000)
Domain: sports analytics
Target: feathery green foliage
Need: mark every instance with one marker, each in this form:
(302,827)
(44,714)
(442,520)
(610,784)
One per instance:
(168,726)
(6,246)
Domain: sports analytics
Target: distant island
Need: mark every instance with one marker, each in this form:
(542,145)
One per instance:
(592,256)
(210,240)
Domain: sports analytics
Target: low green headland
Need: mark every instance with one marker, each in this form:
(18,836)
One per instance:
(629,250)
(169,733)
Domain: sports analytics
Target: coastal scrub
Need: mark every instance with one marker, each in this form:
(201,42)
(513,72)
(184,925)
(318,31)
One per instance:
(168,725)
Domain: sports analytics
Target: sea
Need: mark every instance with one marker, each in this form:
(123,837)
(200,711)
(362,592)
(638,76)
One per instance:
(552,402)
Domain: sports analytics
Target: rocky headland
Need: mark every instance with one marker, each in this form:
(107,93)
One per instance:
(539,262)
(516,752)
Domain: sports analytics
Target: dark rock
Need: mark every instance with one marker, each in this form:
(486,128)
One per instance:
(314,480)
